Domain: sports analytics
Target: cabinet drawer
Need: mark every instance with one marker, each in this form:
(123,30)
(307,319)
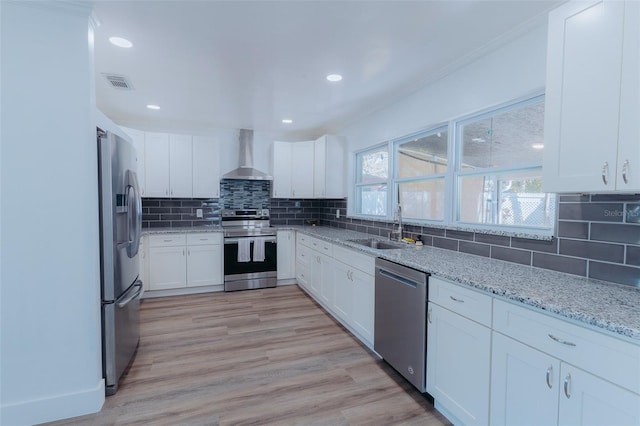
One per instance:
(322,246)
(612,359)
(303,239)
(303,256)
(203,238)
(355,259)
(466,302)
(164,240)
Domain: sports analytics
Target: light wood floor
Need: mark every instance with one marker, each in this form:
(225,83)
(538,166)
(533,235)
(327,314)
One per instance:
(255,357)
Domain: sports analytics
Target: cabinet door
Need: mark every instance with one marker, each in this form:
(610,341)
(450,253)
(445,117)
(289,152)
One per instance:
(343,292)
(286,255)
(156,159)
(303,266)
(167,267)
(362,311)
(138,143)
(524,384)
(206,167)
(316,272)
(181,166)
(582,102)
(334,173)
(458,377)
(326,280)
(588,400)
(282,170)
(628,169)
(302,169)
(204,265)
(320,167)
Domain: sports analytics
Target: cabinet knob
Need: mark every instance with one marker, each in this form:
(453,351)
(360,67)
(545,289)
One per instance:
(605,173)
(625,169)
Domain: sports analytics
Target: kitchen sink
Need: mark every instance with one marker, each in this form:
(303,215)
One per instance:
(378,244)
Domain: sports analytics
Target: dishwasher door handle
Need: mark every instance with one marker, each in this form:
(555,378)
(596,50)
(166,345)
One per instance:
(398,278)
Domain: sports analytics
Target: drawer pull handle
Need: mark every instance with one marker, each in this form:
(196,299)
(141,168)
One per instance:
(567,385)
(167,241)
(625,169)
(204,239)
(549,373)
(456,300)
(564,342)
(429,315)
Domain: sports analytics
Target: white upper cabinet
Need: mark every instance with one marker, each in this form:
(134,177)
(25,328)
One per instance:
(309,169)
(156,158)
(281,170)
(206,168)
(180,166)
(137,136)
(328,168)
(591,118)
(302,169)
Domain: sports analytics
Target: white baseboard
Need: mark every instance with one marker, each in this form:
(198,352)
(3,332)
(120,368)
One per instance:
(56,407)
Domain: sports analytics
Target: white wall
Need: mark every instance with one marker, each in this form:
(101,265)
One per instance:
(50,353)
(512,71)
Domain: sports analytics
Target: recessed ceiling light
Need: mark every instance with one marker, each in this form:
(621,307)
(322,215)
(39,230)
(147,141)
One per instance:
(120,42)
(334,78)
(287,120)
(537,146)
(151,106)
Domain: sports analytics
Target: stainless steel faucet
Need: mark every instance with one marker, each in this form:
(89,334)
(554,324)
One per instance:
(397,234)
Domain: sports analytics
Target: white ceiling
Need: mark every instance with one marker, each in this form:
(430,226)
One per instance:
(249,64)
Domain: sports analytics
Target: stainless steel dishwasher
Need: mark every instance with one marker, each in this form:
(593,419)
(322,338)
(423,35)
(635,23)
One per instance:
(401,320)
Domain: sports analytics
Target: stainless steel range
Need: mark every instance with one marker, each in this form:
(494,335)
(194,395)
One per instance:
(250,250)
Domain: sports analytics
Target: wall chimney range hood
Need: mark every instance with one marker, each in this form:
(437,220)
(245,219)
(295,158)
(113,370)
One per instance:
(245,171)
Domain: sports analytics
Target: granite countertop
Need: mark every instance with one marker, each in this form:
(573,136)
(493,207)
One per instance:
(609,306)
(151,231)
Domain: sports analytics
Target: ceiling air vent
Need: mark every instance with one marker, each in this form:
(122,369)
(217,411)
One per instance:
(118,81)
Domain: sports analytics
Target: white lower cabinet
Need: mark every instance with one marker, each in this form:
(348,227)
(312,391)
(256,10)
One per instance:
(167,267)
(459,352)
(346,291)
(363,304)
(286,255)
(185,260)
(524,384)
(548,371)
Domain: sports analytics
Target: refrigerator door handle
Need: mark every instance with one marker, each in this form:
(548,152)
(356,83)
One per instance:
(134,222)
(136,289)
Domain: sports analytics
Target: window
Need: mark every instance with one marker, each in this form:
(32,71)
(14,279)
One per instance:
(499,176)
(487,174)
(421,167)
(372,176)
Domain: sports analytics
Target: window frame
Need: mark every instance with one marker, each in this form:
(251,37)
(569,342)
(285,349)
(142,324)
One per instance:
(453,175)
(396,181)
(357,185)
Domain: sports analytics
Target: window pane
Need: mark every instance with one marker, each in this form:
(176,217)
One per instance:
(372,200)
(514,199)
(423,156)
(423,199)
(506,139)
(373,166)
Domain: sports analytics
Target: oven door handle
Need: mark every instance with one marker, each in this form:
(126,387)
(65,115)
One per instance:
(267,239)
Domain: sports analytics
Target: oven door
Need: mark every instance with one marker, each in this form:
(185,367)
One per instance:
(250,274)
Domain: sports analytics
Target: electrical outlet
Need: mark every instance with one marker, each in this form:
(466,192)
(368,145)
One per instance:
(199,213)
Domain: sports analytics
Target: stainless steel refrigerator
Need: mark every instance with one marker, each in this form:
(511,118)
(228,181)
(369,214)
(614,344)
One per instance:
(120,230)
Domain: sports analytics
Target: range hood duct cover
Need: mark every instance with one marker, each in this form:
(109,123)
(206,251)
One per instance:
(245,171)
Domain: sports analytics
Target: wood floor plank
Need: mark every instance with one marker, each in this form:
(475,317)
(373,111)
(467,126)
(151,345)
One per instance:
(259,357)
